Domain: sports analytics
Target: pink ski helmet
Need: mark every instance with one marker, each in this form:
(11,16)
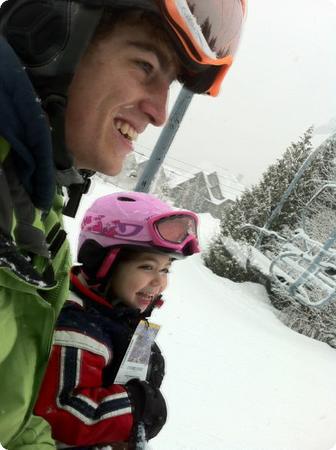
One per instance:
(136,219)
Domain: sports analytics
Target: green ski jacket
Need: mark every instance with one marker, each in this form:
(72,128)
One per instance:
(27,318)
(34,256)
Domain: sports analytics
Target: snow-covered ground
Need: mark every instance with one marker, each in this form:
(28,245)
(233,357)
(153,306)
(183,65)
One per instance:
(237,378)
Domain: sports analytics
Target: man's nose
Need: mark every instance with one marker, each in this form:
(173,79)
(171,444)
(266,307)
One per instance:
(155,105)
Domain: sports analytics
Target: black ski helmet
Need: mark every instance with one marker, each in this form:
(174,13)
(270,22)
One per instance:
(50,36)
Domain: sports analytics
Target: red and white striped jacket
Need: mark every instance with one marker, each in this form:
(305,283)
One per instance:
(78,397)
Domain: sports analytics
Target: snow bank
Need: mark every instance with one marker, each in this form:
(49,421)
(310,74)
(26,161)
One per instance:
(237,378)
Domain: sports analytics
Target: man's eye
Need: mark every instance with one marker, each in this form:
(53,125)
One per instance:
(146,67)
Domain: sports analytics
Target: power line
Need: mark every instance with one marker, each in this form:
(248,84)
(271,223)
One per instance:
(170,165)
(179,160)
(183,172)
(171,157)
(187,171)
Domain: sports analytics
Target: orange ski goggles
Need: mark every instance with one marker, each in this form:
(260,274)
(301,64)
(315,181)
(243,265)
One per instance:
(208,33)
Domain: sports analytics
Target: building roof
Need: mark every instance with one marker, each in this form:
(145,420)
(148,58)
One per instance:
(229,186)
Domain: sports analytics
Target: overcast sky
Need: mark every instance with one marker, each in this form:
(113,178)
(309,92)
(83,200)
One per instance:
(283,81)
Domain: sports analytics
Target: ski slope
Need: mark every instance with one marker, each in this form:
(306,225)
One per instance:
(236,377)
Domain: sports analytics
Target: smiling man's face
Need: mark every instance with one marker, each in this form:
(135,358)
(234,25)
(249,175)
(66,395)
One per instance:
(120,86)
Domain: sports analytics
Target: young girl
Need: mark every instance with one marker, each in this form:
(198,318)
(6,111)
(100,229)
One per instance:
(126,246)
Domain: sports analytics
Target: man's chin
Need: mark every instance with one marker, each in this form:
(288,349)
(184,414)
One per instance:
(111,168)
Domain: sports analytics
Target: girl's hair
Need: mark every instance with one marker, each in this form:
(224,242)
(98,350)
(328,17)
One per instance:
(124,255)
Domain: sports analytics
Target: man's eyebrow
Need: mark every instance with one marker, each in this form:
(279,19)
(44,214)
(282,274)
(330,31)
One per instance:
(148,47)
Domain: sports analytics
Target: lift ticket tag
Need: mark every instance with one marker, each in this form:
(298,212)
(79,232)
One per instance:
(136,359)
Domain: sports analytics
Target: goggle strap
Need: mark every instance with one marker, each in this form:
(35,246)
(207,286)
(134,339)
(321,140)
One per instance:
(107,263)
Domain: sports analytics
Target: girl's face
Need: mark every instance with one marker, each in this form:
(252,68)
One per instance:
(138,281)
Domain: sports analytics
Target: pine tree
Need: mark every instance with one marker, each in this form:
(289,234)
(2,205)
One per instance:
(310,205)
(256,204)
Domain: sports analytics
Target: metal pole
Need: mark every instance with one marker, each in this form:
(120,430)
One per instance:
(140,443)
(314,265)
(291,186)
(165,139)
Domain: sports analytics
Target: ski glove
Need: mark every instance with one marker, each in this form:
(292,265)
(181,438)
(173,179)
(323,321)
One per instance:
(149,406)
(156,368)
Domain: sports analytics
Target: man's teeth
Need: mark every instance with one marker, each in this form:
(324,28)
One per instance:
(127,130)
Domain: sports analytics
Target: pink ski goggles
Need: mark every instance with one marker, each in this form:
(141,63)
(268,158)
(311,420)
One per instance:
(175,231)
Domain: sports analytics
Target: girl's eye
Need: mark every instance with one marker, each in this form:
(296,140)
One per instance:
(165,271)
(146,267)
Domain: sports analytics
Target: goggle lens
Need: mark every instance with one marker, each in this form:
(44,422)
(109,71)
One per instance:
(221,22)
(176,228)
(214,26)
